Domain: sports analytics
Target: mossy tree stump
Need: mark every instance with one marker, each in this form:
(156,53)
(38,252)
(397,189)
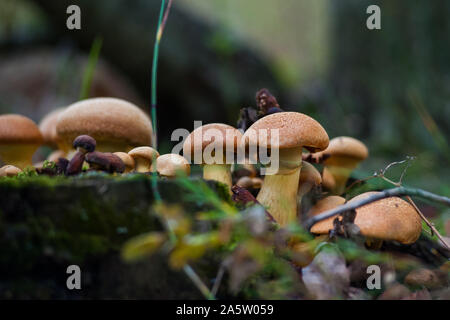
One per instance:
(47,224)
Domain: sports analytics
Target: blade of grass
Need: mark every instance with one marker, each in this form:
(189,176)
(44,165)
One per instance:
(154,99)
(90,68)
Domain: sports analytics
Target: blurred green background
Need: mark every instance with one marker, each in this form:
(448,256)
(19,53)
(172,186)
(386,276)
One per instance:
(389,88)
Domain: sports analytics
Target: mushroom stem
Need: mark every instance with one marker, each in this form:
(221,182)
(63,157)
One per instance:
(303,189)
(279,194)
(18,156)
(75,165)
(279,191)
(340,168)
(340,175)
(143,166)
(218,172)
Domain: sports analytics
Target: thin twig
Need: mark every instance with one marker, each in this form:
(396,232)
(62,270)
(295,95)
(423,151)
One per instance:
(408,160)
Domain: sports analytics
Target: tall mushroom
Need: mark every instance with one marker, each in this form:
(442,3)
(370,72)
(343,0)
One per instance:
(295,132)
(344,155)
(171,164)
(19,139)
(115,124)
(387,219)
(144,159)
(203,143)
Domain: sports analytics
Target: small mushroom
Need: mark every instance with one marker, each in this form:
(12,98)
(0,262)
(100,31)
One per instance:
(296,131)
(98,161)
(309,178)
(171,164)
(127,160)
(83,144)
(245,182)
(325,204)
(345,153)
(9,171)
(328,180)
(116,163)
(19,139)
(216,138)
(105,161)
(144,158)
(61,165)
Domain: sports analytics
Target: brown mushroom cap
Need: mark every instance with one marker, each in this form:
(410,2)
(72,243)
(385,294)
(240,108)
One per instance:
(347,147)
(144,156)
(115,124)
(47,126)
(218,134)
(17,129)
(9,171)
(168,165)
(295,130)
(147,153)
(105,161)
(84,143)
(388,219)
(309,174)
(328,203)
(127,160)
(116,163)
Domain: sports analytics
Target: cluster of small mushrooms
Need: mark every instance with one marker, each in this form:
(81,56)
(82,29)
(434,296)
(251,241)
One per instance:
(100,134)
(114,136)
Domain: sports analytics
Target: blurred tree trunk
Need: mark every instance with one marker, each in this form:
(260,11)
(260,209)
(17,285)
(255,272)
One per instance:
(204,73)
(379,77)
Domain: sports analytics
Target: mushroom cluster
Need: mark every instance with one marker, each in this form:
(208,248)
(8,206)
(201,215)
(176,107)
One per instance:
(114,136)
(103,134)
